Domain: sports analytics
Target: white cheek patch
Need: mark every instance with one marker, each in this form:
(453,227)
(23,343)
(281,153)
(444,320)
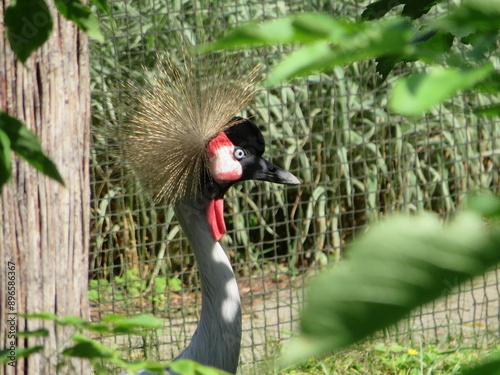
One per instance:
(224,167)
(221,162)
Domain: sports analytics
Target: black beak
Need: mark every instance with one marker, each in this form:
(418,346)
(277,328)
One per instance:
(263,170)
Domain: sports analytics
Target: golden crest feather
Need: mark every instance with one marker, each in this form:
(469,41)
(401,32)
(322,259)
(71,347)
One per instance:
(177,113)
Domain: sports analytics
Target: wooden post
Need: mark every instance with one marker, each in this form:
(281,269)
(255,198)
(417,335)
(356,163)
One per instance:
(44,226)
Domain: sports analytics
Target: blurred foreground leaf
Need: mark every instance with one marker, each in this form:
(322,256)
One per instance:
(396,267)
(5,356)
(309,27)
(492,110)
(413,9)
(29,24)
(188,367)
(25,144)
(82,16)
(419,92)
(89,349)
(490,366)
(130,325)
(370,40)
(102,5)
(4,159)
(472,16)
(42,332)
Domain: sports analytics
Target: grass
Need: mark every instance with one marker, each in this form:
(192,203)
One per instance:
(379,358)
(357,161)
(392,359)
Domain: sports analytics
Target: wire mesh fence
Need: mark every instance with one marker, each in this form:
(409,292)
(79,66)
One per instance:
(357,163)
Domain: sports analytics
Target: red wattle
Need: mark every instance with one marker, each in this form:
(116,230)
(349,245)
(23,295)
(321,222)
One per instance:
(215,217)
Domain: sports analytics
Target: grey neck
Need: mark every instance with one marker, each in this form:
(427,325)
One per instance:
(216,341)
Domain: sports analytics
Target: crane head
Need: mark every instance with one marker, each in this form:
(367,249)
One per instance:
(234,155)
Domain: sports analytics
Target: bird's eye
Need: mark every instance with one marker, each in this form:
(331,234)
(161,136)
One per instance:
(239,153)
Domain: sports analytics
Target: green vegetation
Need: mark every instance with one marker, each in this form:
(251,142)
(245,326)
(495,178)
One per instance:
(397,266)
(394,268)
(131,286)
(28,26)
(392,359)
(336,130)
(329,42)
(101,356)
(16,137)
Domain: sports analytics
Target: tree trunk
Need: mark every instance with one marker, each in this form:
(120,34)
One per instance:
(44,226)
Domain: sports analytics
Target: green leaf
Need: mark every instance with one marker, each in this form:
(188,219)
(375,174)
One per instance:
(20,353)
(419,92)
(140,321)
(430,46)
(29,24)
(89,350)
(149,366)
(491,85)
(490,366)
(188,367)
(397,266)
(311,57)
(300,28)
(5,356)
(42,332)
(93,295)
(492,110)
(483,44)
(42,315)
(413,9)
(486,205)
(99,327)
(185,367)
(434,47)
(378,9)
(5,170)
(25,144)
(82,16)
(72,320)
(175,284)
(370,40)
(471,17)
(112,318)
(386,63)
(416,9)
(102,5)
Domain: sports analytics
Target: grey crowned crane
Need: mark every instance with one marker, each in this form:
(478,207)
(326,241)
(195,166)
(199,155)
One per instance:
(184,143)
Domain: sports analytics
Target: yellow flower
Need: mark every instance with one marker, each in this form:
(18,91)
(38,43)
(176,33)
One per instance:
(412,352)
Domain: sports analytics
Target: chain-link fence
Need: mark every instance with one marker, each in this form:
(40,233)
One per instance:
(357,163)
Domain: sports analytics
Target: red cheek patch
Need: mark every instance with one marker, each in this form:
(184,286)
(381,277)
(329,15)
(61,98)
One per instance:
(221,162)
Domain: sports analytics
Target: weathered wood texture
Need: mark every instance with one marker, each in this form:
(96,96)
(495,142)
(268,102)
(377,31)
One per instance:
(44,226)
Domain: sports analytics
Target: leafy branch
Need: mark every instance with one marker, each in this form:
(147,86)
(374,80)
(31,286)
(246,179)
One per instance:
(102,356)
(18,138)
(397,266)
(29,24)
(456,48)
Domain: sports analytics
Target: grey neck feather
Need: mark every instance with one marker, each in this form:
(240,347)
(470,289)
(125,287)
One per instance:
(216,341)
